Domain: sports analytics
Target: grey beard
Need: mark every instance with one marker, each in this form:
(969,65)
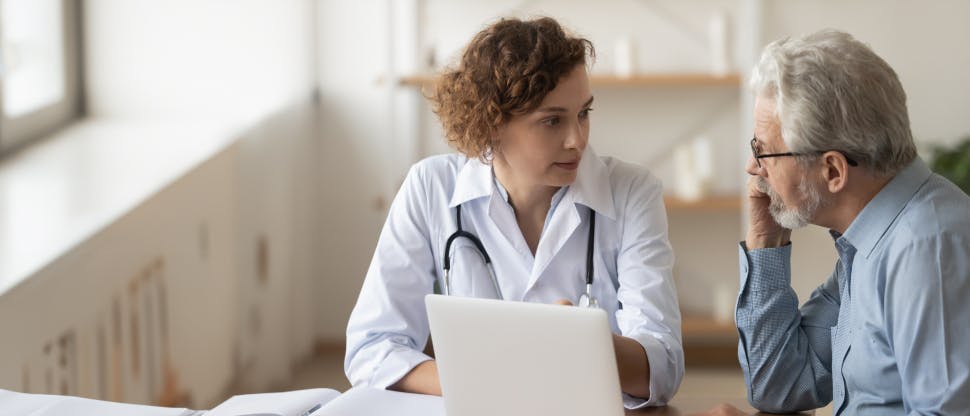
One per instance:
(795,217)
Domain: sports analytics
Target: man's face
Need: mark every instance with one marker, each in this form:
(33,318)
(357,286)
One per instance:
(795,197)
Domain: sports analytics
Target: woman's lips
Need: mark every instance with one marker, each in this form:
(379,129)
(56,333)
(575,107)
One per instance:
(568,165)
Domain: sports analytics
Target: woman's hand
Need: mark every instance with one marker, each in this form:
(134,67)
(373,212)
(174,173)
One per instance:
(723,409)
(631,362)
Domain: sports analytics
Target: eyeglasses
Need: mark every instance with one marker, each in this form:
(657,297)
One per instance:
(756,152)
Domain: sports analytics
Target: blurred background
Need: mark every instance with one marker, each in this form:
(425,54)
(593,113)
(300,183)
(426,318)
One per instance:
(191,190)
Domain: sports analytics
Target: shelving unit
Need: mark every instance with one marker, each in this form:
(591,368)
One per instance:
(709,342)
(707,330)
(672,79)
(714,203)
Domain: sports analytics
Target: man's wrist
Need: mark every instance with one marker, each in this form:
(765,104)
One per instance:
(755,241)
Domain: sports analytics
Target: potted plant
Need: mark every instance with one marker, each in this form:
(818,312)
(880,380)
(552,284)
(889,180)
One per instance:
(953,163)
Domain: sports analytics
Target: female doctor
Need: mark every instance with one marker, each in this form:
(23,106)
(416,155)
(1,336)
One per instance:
(526,184)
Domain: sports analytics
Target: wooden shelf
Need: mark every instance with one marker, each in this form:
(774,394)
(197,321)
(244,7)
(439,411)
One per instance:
(707,204)
(707,330)
(639,80)
(665,80)
(708,342)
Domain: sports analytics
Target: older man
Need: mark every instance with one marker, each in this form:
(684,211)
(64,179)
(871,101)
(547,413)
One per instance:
(887,333)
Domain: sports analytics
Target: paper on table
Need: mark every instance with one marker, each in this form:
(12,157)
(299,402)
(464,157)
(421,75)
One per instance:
(377,402)
(24,404)
(289,403)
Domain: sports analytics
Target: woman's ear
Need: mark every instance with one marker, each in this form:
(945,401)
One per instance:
(835,171)
(496,141)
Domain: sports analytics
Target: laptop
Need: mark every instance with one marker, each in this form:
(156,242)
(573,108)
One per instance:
(516,358)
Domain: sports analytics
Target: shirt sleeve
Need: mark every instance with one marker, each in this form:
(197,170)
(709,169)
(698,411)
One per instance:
(785,353)
(388,327)
(926,315)
(650,313)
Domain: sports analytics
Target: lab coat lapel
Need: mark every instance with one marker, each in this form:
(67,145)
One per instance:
(502,215)
(563,224)
(591,190)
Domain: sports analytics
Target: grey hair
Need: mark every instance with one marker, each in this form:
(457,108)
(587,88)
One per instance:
(833,92)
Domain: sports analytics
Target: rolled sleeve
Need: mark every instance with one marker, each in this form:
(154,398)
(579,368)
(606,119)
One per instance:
(665,373)
(388,327)
(650,313)
(391,362)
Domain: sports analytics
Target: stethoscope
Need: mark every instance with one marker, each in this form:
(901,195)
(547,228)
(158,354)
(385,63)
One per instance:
(585,300)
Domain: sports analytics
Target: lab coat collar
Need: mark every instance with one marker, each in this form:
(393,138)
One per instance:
(591,188)
(474,181)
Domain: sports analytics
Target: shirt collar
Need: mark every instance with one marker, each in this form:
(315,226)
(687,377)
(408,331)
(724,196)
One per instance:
(874,220)
(591,188)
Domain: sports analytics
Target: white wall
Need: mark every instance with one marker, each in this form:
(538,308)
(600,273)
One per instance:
(251,62)
(356,153)
(147,58)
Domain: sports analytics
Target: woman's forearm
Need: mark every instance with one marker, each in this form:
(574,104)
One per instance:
(422,379)
(634,368)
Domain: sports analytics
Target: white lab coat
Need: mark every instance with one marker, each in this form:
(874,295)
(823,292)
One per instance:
(388,327)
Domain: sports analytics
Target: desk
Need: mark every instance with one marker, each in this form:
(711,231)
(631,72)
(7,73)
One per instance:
(690,406)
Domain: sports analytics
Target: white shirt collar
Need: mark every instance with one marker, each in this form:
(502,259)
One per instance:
(592,186)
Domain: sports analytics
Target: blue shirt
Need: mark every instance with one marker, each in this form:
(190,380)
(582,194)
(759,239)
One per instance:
(889,331)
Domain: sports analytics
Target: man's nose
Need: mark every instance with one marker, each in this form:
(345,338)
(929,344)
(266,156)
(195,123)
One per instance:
(752,167)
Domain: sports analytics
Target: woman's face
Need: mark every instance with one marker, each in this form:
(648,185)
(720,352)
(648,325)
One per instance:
(544,147)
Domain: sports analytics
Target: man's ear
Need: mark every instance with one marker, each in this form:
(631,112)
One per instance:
(835,171)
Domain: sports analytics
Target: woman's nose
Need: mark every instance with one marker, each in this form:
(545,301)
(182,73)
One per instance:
(577,137)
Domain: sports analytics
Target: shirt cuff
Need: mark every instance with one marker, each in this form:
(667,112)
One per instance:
(664,374)
(397,364)
(770,267)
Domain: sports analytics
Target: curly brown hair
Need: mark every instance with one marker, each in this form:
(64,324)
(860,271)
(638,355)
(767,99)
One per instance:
(507,69)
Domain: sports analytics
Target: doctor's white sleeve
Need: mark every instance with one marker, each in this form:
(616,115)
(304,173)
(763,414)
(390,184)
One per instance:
(388,327)
(650,311)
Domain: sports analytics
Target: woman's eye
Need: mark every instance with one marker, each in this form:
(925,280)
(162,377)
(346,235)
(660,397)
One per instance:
(551,121)
(585,113)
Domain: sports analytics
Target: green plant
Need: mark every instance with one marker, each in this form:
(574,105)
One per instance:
(953,163)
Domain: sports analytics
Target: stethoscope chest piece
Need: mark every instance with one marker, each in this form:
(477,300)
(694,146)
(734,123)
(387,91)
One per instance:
(587,301)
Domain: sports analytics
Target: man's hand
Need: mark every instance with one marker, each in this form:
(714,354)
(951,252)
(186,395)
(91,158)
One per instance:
(763,231)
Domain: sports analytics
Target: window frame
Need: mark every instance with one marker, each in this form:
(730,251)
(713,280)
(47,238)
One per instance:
(18,132)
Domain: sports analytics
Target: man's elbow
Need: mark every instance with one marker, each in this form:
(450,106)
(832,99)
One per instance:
(773,402)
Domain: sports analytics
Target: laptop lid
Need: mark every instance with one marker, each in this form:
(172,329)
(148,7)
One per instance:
(516,358)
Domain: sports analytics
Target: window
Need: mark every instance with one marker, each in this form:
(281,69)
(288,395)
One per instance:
(39,87)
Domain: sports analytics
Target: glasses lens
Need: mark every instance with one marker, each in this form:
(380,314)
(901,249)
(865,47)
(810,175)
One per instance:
(754,151)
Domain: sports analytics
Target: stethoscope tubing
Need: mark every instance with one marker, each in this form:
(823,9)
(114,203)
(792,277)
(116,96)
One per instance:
(460,233)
